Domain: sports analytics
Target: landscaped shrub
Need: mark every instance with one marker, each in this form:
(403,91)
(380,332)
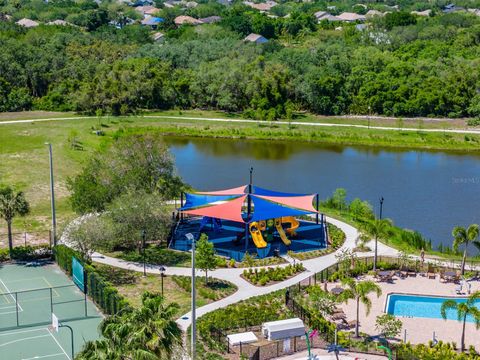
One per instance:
(158,256)
(26,253)
(241,316)
(337,236)
(264,276)
(104,294)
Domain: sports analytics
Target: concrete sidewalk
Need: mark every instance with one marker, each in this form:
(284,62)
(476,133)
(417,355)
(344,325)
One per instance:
(245,289)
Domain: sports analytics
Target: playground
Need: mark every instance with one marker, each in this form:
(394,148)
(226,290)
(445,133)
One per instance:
(251,219)
(29,294)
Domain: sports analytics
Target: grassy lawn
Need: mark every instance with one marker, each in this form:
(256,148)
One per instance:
(132,285)
(24,156)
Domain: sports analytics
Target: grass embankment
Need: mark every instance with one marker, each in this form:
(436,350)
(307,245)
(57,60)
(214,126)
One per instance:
(177,289)
(24,156)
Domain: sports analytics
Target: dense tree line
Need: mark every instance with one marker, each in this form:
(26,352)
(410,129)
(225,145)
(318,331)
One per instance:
(399,65)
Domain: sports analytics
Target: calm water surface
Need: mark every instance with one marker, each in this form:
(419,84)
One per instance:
(427,191)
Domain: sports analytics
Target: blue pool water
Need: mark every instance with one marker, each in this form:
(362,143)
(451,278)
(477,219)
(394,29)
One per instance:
(421,306)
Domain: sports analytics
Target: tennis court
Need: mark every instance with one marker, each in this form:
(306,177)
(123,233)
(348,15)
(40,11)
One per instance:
(28,296)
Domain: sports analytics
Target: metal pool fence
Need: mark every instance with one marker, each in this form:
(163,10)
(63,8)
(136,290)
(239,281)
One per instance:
(35,307)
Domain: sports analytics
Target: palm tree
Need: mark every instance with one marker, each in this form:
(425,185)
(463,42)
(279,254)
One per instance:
(149,332)
(12,203)
(462,236)
(463,310)
(378,229)
(359,292)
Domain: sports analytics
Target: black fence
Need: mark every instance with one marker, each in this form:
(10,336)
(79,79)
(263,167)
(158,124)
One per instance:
(35,307)
(101,291)
(24,238)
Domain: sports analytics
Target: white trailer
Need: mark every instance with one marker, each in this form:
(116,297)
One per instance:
(283,329)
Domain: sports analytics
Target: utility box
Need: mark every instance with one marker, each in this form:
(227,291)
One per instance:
(283,329)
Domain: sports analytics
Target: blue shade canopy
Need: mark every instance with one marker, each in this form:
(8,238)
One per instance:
(264,209)
(265,192)
(199,200)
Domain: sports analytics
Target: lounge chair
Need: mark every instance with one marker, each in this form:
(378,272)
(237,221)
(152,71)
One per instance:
(402,273)
(431,273)
(458,289)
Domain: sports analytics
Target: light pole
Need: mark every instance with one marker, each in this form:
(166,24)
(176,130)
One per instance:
(190,237)
(144,234)
(381,206)
(162,274)
(52,195)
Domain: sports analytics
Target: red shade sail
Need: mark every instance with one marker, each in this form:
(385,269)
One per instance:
(234,191)
(299,202)
(229,210)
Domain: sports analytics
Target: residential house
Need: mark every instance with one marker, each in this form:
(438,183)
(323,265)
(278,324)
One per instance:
(27,23)
(267,6)
(147,10)
(191,4)
(158,37)
(186,20)
(474,11)
(422,13)
(450,8)
(60,23)
(350,17)
(255,38)
(374,13)
(210,19)
(323,15)
(5,17)
(152,22)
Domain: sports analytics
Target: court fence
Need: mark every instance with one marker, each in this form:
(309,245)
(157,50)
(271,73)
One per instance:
(100,290)
(27,238)
(35,307)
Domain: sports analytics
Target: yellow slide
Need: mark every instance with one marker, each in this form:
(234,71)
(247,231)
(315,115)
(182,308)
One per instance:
(294,224)
(257,235)
(278,225)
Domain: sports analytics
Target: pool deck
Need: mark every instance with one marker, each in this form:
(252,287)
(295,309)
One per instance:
(419,330)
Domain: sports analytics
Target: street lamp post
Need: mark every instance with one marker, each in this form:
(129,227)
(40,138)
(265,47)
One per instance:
(144,235)
(190,237)
(368,117)
(381,206)
(52,195)
(162,274)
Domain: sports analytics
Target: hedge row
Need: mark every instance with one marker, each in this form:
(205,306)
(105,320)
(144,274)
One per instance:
(103,293)
(26,253)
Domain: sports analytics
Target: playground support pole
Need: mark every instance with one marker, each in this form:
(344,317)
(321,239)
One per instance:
(194,325)
(181,205)
(316,201)
(249,206)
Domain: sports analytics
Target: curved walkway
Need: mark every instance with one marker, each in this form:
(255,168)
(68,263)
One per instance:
(245,289)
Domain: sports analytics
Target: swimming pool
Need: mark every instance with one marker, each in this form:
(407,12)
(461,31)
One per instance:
(403,305)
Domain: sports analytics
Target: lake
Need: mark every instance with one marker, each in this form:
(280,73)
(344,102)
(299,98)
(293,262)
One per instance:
(426,191)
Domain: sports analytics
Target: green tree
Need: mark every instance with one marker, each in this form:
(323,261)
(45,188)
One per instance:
(463,309)
(388,325)
(149,332)
(88,235)
(339,199)
(12,204)
(131,163)
(134,212)
(378,229)
(361,209)
(359,291)
(462,236)
(205,255)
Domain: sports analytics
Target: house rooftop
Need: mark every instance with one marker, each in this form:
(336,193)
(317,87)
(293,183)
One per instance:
(210,19)
(183,19)
(27,23)
(256,38)
(348,16)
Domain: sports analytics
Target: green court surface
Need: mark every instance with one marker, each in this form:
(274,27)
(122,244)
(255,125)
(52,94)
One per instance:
(28,295)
